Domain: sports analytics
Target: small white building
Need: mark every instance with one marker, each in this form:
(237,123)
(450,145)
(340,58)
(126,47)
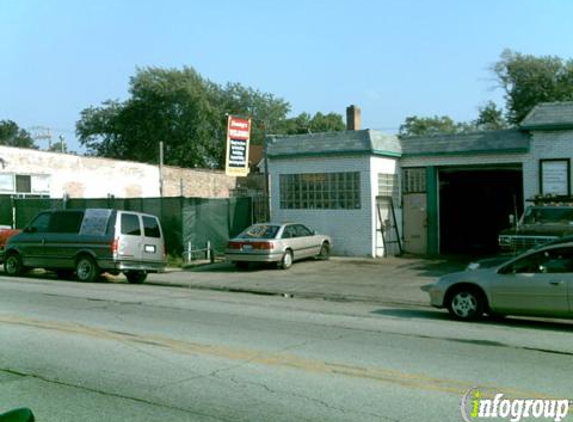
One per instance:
(331,182)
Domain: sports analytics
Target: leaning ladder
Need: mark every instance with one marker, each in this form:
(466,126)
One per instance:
(388,228)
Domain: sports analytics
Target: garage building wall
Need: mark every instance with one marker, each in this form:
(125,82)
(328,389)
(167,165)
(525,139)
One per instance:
(382,165)
(352,231)
(545,145)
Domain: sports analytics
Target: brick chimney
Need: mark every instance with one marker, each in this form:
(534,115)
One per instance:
(352,118)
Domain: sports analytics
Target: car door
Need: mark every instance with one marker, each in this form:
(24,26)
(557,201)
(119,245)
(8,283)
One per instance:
(30,242)
(309,243)
(536,284)
(153,248)
(292,241)
(61,240)
(130,243)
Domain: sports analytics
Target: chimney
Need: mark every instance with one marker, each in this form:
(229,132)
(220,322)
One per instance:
(352,118)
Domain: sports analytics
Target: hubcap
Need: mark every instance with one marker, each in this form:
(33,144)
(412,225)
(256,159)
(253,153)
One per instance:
(287,260)
(464,304)
(11,264)
(84,269)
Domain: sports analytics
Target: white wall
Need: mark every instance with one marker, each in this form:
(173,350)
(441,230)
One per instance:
(545,145)
(386,166)
(351,230)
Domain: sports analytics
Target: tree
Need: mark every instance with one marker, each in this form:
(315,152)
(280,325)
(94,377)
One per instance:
(430,126)
(189,114)
(528,80)
(59,146)
(490,118)
(13,136)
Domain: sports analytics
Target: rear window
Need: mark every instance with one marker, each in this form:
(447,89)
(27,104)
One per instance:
(260,231)
(66,222)
(130,225)
(151,227)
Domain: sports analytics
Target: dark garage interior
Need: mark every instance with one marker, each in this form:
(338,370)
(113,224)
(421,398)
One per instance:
(474,206)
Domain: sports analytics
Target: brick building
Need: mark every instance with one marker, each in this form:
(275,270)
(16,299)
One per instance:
(33,173)
(451,193)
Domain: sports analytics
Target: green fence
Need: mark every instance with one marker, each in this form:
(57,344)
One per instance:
(184,220)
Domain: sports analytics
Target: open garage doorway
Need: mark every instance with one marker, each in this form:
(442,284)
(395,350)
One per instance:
(474,205)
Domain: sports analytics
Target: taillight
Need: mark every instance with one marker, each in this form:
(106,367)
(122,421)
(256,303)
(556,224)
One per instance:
(262,245)
(234,245)
(114,246)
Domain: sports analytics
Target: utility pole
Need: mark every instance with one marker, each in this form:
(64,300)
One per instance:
(161,169)
(43,133)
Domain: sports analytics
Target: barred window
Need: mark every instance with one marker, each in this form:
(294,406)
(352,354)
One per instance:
(388,186)
(320,191)
(414,180)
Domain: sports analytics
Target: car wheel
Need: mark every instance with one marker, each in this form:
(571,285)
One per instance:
(286,261)
(86,269)
(136,277)
(466,304)
(324,253)
(13,265)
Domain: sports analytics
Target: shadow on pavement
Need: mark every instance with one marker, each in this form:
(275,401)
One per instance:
(515,322)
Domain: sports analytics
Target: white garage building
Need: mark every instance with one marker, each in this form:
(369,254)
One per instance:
(450,193)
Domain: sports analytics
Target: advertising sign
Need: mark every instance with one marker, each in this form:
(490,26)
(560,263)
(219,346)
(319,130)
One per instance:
(237,156)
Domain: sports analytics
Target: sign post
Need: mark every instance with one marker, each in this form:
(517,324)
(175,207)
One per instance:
(237,156)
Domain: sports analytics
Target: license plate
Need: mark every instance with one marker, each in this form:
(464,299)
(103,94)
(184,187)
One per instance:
(149,248)
(247,247)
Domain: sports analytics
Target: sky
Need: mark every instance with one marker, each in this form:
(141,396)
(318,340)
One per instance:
(393,59)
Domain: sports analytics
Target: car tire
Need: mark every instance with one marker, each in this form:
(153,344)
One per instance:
(13,264)
(324,253)
(136,277)
(87,270)
(286,261)
(466,304)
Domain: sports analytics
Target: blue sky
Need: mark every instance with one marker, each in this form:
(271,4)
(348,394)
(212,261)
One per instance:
(393,59)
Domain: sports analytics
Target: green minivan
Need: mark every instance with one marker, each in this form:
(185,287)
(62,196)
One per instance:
(89,242)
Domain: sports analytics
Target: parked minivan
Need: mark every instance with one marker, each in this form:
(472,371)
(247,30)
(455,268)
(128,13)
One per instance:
(89,242)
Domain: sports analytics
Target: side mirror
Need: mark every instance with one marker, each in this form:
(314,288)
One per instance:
(314,232)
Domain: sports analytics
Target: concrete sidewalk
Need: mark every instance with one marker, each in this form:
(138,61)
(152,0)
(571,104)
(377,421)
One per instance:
(386,281)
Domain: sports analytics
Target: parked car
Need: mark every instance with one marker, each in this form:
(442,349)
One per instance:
(280,243)
(89,242)
(539,224)
(538,282)
(6,232)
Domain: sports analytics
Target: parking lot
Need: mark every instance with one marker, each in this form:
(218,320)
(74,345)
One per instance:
(388,280)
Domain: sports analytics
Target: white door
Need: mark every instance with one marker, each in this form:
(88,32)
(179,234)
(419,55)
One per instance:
(415,223)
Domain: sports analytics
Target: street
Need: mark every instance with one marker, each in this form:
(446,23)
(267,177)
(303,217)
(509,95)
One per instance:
(120,352)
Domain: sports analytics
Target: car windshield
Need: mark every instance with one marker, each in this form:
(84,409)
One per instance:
(261,231)
(548,215)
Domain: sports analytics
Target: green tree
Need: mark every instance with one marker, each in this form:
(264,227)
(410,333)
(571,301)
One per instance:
(431,126)
(490,118)
(13,136)
(528,80)
(181,108)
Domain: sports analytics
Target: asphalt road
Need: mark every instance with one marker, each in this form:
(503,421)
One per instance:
(119,352)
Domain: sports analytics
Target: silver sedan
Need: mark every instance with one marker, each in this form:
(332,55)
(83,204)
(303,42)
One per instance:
(280,243)
(538,282)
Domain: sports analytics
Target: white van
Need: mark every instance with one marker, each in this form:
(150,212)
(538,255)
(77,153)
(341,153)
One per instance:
(89,242)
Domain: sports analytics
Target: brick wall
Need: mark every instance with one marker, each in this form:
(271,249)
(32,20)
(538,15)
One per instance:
(197,183)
